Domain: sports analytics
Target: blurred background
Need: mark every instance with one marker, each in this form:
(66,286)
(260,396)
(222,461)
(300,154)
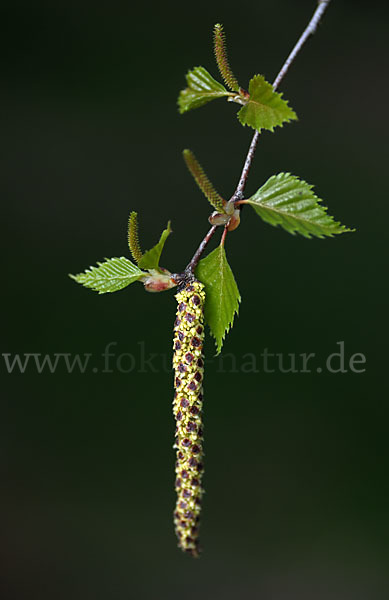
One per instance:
(296,502)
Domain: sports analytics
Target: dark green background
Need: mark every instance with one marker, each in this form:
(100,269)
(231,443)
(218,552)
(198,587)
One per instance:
(296,465)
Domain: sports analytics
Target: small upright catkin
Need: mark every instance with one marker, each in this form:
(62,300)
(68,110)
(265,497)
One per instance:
(200,177)
(220,49)
(188,364)
(133,240)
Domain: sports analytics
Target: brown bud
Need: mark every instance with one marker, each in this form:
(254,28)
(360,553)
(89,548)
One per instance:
(234,221)
(244,93)
(218,218)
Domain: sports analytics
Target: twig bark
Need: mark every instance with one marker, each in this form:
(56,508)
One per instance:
(197,255)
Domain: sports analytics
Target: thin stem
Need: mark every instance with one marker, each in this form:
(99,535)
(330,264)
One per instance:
(196,257)
(238,194)
(308,31)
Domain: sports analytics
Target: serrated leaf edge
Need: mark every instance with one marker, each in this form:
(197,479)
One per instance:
(91,271)
(236,306)
(319,201)
(293,116)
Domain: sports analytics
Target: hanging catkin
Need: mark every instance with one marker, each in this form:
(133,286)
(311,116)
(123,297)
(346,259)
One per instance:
(188,364)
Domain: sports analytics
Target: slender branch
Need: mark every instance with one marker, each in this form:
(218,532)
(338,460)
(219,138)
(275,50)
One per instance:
(308,31)
(196,257)
(238,194)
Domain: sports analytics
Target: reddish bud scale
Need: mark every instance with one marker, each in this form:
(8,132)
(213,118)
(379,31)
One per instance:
(188,364)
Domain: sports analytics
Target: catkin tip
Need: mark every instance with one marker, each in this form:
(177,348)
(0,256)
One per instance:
(133,240)
(220,50)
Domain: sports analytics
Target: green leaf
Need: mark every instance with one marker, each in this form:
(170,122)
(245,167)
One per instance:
(202,88)
(290,202)
(110,276)
(265,109)
(221,294)
(150,259)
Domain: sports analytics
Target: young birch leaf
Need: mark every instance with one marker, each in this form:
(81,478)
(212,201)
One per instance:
(202,88)
(290,202)
(221,294)
(150,259)
(265,108)
(110,276)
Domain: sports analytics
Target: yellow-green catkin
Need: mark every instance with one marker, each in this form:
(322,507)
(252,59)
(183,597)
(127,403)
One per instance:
(188,364)
(220,48)
(200,177)
(133,240)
